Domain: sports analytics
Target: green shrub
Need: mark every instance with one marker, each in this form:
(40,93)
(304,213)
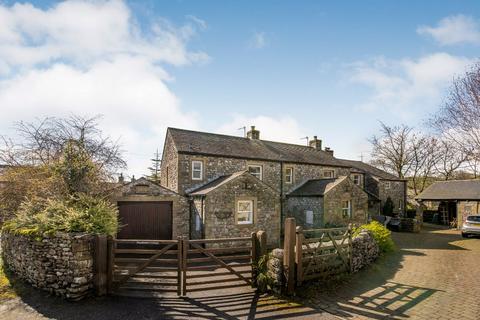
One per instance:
(382,235)
(81,213)
(263,280)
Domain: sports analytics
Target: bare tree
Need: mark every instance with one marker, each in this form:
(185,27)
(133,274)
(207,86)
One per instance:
(392,150)
(473,164)
(450,159)
(44,140)
(425,157)
(459,117)
(55,158)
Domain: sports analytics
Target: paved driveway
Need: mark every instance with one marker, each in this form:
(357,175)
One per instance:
(432,275)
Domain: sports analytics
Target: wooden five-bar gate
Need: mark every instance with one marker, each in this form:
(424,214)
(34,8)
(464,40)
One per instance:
(315,253)
(177,267)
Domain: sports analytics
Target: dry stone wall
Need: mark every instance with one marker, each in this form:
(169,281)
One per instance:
(365,250)
(61,264)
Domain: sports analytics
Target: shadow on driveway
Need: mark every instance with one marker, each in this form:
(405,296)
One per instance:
(33,304)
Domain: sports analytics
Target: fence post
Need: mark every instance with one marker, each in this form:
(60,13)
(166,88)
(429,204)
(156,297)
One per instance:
(289,254)
(255,257)
(100,271)
(299,254)
(262,243)
(350,247)
(184,264)
(110,263)
(180,265)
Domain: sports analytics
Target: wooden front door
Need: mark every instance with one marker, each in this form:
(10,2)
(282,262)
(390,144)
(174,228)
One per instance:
(145,220)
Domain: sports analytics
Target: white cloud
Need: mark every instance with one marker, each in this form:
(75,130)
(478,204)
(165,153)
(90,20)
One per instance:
(83,31)
(90,58)
(454,30)
(258,40)
(284,129)
(403,85)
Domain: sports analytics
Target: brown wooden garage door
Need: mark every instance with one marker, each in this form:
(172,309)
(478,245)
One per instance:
(145,220)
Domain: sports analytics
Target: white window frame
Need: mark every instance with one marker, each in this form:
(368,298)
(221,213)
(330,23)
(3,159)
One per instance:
(289,177)
(196,171)
(309,217)
(347,210)
(387,185)
(256,166)
(249,213)
(329,171)
(359,176)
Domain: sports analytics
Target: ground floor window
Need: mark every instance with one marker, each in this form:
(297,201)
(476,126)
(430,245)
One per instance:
(245,212)
(347,209)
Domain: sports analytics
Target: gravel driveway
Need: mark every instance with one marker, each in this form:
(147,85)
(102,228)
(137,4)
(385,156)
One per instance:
(432,275)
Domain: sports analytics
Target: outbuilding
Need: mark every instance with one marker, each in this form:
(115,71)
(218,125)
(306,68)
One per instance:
(456,199)
(150,211)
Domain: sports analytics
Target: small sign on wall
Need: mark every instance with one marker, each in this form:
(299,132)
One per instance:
(309,217)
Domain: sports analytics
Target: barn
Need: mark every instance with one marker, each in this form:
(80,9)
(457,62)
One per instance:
(455,200)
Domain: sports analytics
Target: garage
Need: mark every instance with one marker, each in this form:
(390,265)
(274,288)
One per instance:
(145,220)
(149,211)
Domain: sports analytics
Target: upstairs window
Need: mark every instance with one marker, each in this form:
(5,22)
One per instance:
(387,185)
(329,174)
(347,209)
(288,175)
(245,212)
(357,179)
(197,170)
(255,171)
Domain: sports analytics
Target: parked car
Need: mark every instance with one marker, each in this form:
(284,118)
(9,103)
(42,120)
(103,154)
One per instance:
(471,226)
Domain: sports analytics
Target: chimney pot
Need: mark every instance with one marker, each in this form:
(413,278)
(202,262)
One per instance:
(253,133)
(315,143)
(329,151)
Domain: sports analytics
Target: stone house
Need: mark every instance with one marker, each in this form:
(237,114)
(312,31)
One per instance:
(454,200)
(215,185)
(380,186)
(327,202)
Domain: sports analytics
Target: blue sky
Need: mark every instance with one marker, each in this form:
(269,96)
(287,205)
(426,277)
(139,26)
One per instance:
(292,68)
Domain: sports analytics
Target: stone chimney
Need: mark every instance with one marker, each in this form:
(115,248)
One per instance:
(121,179)
(329,151)
(316,143)
(253,134)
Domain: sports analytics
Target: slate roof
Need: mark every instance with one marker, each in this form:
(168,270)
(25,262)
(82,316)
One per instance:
(452,190)
(366,168)
(212,185)
(316,187)
(194,142)
(155,188)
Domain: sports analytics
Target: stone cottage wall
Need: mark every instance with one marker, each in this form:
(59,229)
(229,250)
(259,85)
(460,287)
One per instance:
(333,200)
(304,172)
(296,207)
(220,210)
(169,168)
(61,265)
(396,192)
(215,167)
